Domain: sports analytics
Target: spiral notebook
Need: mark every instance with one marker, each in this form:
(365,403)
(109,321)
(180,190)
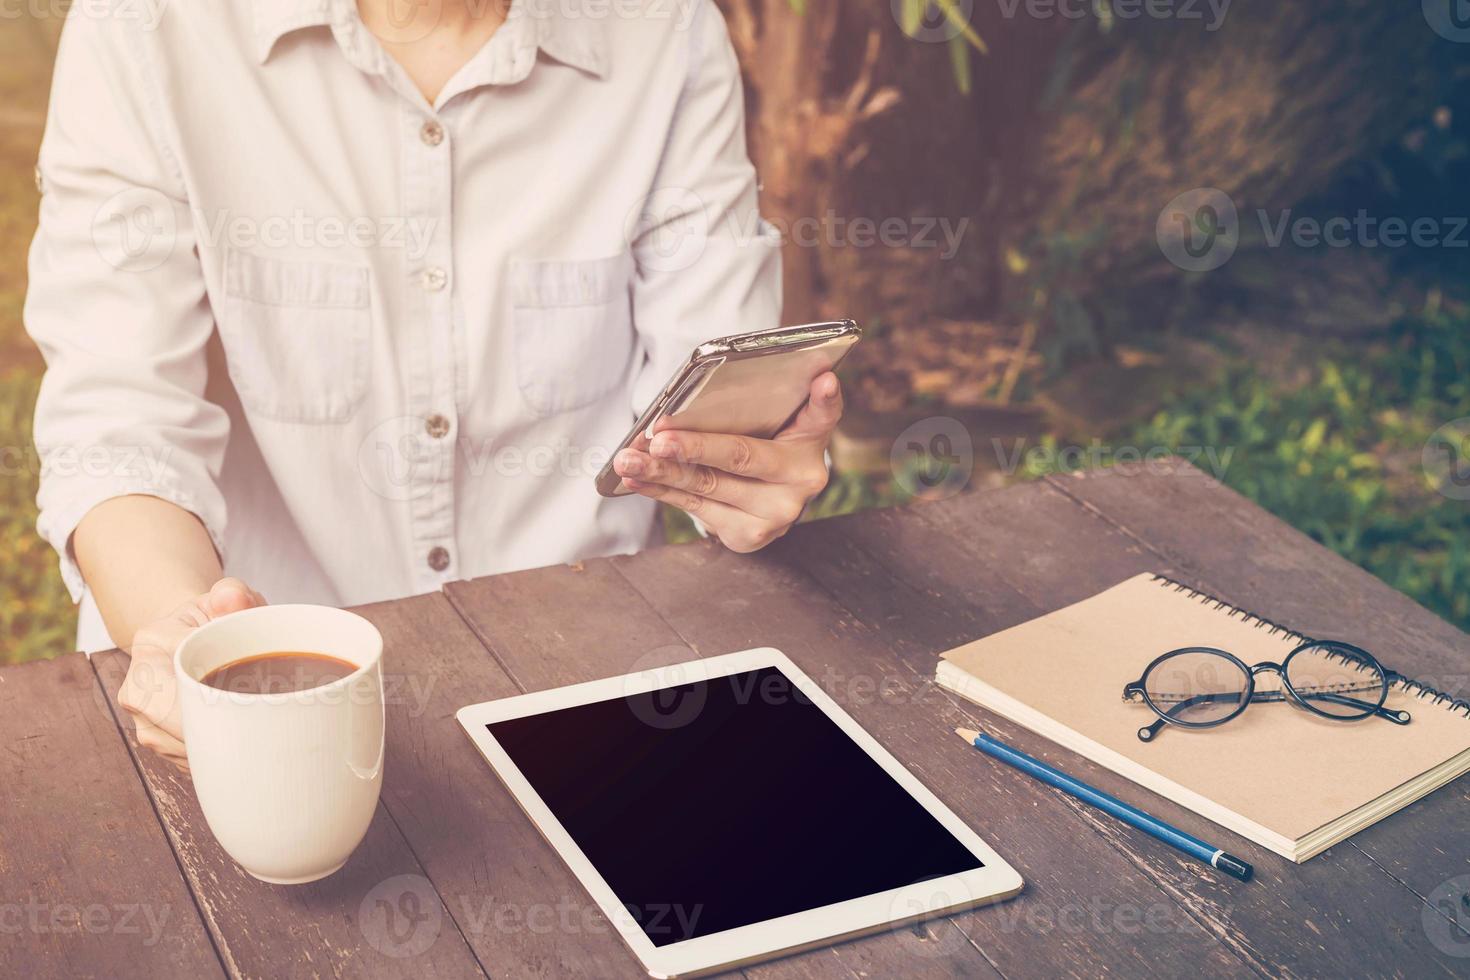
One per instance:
(1285,778)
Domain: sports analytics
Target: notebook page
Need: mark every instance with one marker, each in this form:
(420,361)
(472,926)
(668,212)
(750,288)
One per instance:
(1278,766)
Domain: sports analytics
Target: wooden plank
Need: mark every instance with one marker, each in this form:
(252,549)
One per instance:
(971,562)
(720,602)
(1229,546)
(524,618)
(512,898)
(88,886)
(367,920)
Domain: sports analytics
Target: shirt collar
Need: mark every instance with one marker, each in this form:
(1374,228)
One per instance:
(565,30)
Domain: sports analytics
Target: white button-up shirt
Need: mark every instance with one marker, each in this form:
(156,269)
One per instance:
(373,343)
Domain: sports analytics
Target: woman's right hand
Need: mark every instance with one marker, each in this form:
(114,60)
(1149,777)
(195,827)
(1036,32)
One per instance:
(149,692)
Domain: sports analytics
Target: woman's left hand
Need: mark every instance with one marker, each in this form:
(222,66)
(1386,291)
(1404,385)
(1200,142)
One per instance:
(747,492)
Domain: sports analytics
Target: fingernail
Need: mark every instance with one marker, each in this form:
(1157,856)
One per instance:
(629,462)
(663,446)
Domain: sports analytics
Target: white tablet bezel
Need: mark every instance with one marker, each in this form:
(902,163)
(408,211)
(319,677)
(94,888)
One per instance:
(773,937)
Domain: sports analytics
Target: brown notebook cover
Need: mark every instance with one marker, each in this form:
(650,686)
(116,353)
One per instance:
(1287,779)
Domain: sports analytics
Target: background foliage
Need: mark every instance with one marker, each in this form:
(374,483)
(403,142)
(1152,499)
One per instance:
(1321,372)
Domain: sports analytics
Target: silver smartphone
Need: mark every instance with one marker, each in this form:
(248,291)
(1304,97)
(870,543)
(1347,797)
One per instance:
(750,384)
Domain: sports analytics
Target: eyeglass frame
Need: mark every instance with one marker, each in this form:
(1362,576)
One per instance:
(1136,689)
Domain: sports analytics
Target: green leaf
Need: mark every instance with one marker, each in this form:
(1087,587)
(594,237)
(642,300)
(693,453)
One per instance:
(799,6)
(957,17)
(959,59)
(912,16)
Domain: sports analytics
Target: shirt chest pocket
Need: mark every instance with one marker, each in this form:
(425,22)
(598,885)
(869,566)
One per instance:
(297,336)
(573,330)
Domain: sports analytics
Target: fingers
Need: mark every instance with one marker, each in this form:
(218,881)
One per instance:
(736,529)
(748,495)
(758,459)
(230,595)
(155,739)
(821,413)
(149,692)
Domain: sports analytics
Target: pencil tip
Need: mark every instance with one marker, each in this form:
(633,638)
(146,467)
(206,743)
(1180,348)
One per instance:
(968,734)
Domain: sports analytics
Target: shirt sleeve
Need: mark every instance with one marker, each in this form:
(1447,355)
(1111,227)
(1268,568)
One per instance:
(116,300)
(706,264)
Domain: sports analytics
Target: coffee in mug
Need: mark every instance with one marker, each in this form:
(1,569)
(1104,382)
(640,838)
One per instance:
(284,729)
(276,673)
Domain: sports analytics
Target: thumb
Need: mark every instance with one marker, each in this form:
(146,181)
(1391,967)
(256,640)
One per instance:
(819,416)
(230,595)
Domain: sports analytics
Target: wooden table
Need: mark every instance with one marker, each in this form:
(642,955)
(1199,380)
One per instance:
(108,868)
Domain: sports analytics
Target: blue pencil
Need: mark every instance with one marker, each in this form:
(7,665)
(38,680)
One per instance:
(1131,815)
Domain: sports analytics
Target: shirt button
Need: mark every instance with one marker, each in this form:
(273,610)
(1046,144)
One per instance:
(437,426)
(432,134)
(438,558)
(433,278)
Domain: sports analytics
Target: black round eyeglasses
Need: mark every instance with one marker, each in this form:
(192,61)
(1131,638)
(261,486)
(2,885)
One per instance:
(1204,687)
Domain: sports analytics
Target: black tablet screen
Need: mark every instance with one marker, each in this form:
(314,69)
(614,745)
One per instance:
(726,802)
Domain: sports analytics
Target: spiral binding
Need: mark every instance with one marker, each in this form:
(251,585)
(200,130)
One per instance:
(1409,685)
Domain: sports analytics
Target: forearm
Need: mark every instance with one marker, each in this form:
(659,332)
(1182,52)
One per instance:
(141,557)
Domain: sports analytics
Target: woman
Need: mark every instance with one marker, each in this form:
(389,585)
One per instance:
(347,300)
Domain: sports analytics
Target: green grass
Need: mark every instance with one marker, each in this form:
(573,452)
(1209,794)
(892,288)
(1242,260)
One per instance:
(1336,450)
(37,618)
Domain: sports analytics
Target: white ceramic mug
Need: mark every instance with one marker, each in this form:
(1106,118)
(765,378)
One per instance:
(288,781)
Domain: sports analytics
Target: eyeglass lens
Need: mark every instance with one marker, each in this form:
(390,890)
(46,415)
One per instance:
(1197,688)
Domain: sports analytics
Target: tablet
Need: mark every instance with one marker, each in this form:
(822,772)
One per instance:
(726,810)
